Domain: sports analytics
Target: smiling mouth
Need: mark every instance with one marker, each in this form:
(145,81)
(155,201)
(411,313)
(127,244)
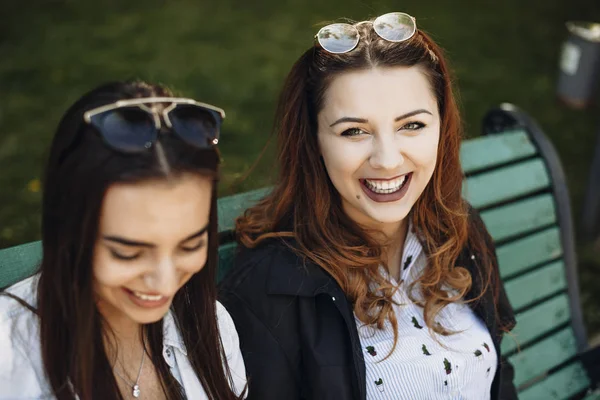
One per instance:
(386,190)
(146,300)
(147,297)
(386,186)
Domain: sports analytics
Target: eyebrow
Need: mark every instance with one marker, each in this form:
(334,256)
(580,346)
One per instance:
(135,243)
(364,121)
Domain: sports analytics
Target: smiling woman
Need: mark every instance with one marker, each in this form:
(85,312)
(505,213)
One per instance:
(388,145)
(366,240)
(149,245)
(124,304)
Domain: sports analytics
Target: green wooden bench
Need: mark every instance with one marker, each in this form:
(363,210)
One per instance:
(514,178)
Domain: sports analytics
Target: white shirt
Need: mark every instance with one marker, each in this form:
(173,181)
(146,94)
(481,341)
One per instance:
(419,367)
(22,374)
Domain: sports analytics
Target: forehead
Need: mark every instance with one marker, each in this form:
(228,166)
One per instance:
(379,91)
(157,211)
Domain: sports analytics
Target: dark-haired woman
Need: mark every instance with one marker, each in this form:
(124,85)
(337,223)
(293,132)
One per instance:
(124,303)
(364,274)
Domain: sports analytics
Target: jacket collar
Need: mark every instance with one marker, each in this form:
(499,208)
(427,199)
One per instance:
(295,276)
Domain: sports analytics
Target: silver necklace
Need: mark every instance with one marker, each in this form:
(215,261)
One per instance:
(135,387)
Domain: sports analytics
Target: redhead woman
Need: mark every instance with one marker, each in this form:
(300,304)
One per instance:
(124,304)
(364,274)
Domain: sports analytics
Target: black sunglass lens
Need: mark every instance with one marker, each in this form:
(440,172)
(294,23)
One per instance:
(126,129)
(195,125)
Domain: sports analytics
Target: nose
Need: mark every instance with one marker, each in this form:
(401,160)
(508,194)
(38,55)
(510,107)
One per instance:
(386,153)
(162,278)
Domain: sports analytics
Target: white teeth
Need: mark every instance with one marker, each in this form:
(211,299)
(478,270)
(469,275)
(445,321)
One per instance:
(386,187)
(147,296)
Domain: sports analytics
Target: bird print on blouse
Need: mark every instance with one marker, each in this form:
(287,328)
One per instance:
(379,384)
(371,351)
(447,366)
(416,323)
(425,351)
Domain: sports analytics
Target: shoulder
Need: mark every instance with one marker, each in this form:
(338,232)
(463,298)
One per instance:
(255,268)
(225,323)
(20,345)
(231,347)
(479,256)
(479,244)
(26,291)
(266,285)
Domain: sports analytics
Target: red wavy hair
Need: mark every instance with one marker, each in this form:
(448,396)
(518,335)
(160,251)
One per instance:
(306,206)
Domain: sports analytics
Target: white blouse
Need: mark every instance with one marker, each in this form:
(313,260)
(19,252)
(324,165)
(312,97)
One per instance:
(22,374)
(460,366)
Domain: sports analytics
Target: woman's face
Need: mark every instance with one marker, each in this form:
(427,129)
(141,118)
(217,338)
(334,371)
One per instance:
(378,135)
(152,239)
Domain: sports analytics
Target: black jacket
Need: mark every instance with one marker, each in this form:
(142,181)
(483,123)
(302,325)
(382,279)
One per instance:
(297,330)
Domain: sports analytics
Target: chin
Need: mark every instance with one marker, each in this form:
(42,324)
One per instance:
(389,219)
(151,316)
(392,215)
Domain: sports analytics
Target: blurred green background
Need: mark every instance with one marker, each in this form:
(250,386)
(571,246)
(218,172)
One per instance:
(235,54)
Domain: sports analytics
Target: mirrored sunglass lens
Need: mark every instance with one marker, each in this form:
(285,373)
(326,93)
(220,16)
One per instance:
(395,27)
(126,129)
(195,125)
(338,38)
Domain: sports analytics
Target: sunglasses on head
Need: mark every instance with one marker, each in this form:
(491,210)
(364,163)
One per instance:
(133,125)
(342,38)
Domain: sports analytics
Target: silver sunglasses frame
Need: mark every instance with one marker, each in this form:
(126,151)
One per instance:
(353,26)
(141,103)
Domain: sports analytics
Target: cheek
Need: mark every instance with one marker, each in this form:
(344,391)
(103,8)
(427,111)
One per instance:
(342,159)
(110,272)
(193,263)
(424,153)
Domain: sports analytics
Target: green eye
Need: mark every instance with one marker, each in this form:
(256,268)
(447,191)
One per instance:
(353,132)
(414,126)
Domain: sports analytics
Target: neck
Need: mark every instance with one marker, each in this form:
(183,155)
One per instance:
(393,247)
(122,336)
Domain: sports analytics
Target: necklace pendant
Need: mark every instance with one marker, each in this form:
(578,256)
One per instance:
(136,391)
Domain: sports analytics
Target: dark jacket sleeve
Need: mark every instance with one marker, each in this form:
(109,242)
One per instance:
(505,313)
(269,373)
(508,391)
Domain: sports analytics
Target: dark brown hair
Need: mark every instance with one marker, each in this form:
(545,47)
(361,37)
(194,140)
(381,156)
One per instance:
(306,206)
(80,169)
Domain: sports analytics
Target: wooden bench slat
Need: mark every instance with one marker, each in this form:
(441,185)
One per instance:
(520,217)
(560,385)
(231,207)
(536,285)
(531,250)
(19,262)
(487,151)
(543,356)
(506,183)
(537,321)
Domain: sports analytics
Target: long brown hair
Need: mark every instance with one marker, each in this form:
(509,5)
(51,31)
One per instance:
(306,206)
(80,170)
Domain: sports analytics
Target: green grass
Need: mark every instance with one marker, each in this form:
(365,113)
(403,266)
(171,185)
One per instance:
(235,54)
